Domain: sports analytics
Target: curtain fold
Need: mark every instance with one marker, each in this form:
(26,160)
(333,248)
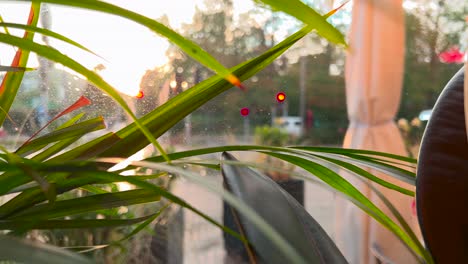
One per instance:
(374,73)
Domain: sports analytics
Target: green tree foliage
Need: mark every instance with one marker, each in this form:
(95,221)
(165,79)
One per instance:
(232,41)
(431,28)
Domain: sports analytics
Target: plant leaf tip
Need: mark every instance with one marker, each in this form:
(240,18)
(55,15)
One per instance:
(235,81)
(242,87)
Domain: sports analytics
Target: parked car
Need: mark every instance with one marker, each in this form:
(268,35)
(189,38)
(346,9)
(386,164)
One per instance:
(293,125)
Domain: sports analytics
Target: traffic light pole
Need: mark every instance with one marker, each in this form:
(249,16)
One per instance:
(302,89)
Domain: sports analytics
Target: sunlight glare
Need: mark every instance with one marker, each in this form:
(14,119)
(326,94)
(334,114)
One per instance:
(409,5)
(124,80)
(130,49)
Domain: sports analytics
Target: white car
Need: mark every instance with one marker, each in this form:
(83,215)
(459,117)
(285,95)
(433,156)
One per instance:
(293,125)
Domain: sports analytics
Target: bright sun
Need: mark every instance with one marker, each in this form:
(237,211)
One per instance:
(129,49)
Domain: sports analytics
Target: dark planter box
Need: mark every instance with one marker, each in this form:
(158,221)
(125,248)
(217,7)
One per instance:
(167,246)
(235,251)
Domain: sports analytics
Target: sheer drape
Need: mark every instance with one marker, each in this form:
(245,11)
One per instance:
(374,72)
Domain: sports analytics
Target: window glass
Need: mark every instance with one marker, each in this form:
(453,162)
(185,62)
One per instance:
(298,99)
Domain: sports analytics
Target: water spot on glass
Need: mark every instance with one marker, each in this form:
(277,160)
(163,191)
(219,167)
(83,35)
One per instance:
(202,172)
(123,210)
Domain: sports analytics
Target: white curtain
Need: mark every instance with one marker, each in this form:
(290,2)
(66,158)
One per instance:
(374,72)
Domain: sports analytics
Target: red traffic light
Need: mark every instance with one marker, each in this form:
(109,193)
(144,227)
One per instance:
(244,111)
(280,97)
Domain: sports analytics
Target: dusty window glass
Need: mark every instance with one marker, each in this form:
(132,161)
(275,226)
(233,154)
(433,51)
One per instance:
(298,99)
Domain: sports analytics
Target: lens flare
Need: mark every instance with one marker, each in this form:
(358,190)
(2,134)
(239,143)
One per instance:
(245,111)
(280,97)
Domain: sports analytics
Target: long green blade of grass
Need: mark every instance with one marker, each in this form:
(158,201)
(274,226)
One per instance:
(339,183)
(396,172)
(54,55)
(426,255)
(46,187)
(33,185)
(68,224)
(87,204)
(184,44)
(46,32)
(14,69)
(129,140)
(112,177)
(23,251)
(357,172)
(138,229)
(167,115)
(4,28)
(13,178)
(346,151)
(84,175)
(12,80)
(401,174)
(259,222)
(90,149)
(61,145)
(363,173)
(143,225)
(309,16)
(72,131)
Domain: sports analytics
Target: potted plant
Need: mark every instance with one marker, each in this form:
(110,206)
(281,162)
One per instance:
(48,166)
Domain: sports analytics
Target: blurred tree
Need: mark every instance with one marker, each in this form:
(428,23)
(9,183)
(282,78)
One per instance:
(235,39)
(432,27)
(231,42)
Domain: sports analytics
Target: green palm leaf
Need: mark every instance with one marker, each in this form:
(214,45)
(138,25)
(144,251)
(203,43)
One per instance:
(23,251)
(186,45)
(12,80)
(309,16)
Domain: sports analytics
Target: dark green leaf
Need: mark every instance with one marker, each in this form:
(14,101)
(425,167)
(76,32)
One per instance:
(73,131)
(87,204)
(46,32)
(12,80)
(14,69)
(167,115)
(346,151)
(309,16)
(23,251)
(186,45)
(144,224)
(288,218)
(67,224)
(363,173)
(258,221)
(340,184)
(90,149)
(54,55)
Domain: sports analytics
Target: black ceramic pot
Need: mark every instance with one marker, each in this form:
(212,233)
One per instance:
(167,246)
(442,178)
(235,250)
